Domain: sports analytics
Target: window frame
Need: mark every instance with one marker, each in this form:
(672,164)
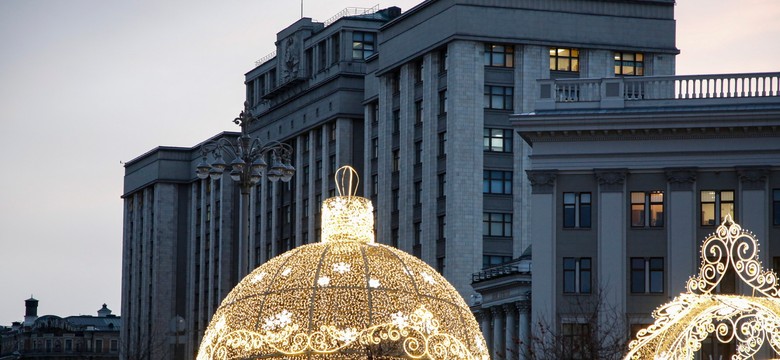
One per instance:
(499,221)
(643,270)
(644,202)
(492,135)
(582,205)
(363,45)
(621,63)
(580,271)
(499,97)
(496,177)
(776,208)
(717,206)
(573,60)
(499,55)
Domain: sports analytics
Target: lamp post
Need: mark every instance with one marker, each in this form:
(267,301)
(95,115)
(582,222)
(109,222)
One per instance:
(250,163)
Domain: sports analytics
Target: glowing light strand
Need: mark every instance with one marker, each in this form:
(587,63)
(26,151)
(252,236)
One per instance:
(682,324)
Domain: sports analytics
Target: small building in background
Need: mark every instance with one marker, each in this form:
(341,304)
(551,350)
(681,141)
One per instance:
(53,337)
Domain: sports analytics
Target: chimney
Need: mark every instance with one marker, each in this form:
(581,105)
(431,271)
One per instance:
(30,311)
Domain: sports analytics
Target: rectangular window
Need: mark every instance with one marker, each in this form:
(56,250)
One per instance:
(418,152)
(564,59)
(335,43)
(442,180)
(318,174)
(395,82)
(305,143)
(69,345)
(575,340)
(776,207)
(114,345)
(499,55)
(374,184)
(647,275)
(497,224)
(496,182)
(98,345)
(395,199)
(362,45)
(332,164)
(322,56)
(443,143)
(396,160)
(443,61)
(493,260)
(442,225)
(305,206)
(498,97)
(715,205)
(577,275)
(629,64)
(374,148)
(417,233)
(418,71)
(497,140)
(442,102)
(641,202)
(333,132)
(576,210)
(417,192)
(418,112)
(396,121)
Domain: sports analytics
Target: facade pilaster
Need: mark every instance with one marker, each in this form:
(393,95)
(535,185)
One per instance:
(429,160)
(682,227)
(464,159)
(754,206)
(543,235)
(610,226)
(406,149)
(311,188)
(384,160)
(298,218)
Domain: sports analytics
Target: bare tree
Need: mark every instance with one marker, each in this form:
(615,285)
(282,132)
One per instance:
(596,330)
(151,346)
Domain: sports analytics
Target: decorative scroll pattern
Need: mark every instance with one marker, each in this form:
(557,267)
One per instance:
(415,336)
(682,324)
(730,247)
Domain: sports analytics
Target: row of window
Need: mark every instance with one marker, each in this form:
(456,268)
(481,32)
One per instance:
(647,208)
(566,59)
(647,275)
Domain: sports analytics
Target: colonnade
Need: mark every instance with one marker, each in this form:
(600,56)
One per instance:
(507,329)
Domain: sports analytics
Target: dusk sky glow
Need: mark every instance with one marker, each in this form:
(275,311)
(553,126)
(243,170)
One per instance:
(86,84)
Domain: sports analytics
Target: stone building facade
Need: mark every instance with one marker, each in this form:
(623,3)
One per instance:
(630,175)
(419,103)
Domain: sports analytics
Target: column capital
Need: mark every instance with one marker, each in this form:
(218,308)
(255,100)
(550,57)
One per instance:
(680,179)
(496,310)
(523,306)
(542,181)
(611,179)
(509,308)
(753,178)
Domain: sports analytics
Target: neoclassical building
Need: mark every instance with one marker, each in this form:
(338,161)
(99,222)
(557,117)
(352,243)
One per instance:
(420,103)
(629,175)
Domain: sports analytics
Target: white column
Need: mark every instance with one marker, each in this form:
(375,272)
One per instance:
(498,332)
(485,325)
(524,328)
(510,341)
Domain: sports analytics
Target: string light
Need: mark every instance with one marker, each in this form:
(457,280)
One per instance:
(751,321)
(346,297)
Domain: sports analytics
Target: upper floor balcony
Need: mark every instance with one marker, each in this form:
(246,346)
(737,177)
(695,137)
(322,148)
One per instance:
(653,91)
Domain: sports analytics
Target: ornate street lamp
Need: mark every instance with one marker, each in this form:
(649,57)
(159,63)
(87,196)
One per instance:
(250,163)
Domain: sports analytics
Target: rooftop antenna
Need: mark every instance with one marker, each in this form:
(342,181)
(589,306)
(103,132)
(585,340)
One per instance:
(301,9)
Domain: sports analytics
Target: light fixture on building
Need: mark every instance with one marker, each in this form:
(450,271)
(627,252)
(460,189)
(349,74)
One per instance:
(249,165)
(749,321)
(345,297)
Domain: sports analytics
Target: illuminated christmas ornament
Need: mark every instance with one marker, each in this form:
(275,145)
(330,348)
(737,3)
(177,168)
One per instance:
(749,321)
(344,298)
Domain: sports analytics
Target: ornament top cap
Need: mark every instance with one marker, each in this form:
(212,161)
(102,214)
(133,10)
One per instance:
(347,217)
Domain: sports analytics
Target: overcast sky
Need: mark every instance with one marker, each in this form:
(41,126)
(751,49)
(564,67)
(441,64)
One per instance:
(85,84)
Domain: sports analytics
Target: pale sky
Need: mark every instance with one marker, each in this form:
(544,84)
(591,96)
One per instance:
(85,84)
